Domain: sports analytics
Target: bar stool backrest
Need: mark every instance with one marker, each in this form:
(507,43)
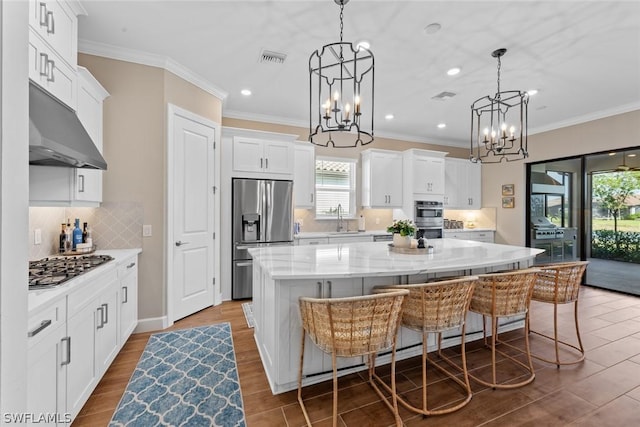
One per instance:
(559,283)
(437,306)
(504,294)
(353,326)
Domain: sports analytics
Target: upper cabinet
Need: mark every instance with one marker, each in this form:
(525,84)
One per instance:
(382,180)
(304,176)
(59,186)
(424,170)
(53,47)
(262,156)
(463,184)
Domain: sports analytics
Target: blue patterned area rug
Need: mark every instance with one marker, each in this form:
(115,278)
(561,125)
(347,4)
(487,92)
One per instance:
(186,377)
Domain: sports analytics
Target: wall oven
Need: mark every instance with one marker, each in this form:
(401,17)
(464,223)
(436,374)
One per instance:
(428,218)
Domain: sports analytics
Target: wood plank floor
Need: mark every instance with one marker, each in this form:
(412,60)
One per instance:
(604,390)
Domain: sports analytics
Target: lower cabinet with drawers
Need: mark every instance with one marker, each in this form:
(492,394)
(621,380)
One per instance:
(486,236)
(73,340)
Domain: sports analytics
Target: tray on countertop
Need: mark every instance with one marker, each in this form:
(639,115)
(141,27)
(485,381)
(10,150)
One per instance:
(411,251)
(83,251)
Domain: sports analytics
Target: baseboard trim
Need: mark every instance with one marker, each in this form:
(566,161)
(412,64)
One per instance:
(151,324)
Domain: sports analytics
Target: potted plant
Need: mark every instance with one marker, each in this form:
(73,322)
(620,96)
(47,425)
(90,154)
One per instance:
(402,230)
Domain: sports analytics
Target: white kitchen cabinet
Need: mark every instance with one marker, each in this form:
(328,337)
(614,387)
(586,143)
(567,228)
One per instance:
(463,184)
(262,156)
(48,71)
(304,175)
(486,236)
(424,173)
(382,180)
(56,23)
(351,238)
(60,186)
(53,47)
(128,277)
(92,327)
(312,241)
(47,357)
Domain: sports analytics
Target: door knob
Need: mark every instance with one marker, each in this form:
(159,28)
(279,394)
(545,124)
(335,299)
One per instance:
(180,243)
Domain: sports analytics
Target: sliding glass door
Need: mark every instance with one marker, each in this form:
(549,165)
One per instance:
(588,208)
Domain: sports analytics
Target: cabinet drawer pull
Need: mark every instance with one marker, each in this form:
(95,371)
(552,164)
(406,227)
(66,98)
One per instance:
(314,243)
(39,328)
(133,264)
(106,313)
(266,163)
(260,162)
(44,64)
(101,325)
(125,295)
(68,340)
(43,14)
(80,183)
(245,264)
(51,23)
(51,65)
(311,197)
(319,289)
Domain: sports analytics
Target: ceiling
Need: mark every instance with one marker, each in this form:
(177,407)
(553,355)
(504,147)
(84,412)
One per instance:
(582,56)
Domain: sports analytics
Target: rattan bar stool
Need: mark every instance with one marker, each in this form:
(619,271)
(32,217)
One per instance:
(350,327)
(437,307)
(560,284)
(502,295)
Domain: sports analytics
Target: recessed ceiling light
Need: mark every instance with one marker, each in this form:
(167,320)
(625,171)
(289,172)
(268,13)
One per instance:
(432,28)
(532,92)
(612,154)
(631,155)
(389,117)
(363,43)
(245,92)
(453,71)
(442,125)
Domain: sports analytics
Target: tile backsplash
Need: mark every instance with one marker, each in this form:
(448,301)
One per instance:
(115,225)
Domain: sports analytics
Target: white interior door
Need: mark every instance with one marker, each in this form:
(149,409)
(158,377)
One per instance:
(191,286)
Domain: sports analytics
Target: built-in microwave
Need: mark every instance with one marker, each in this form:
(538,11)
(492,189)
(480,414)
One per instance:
(428,214)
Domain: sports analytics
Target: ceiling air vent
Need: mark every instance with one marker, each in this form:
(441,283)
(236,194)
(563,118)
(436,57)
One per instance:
(443,96)
(271,57)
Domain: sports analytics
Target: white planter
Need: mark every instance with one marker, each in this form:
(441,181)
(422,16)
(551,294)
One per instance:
(401,241)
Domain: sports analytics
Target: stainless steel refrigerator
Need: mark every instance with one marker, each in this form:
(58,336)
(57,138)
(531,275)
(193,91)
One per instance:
(262,215)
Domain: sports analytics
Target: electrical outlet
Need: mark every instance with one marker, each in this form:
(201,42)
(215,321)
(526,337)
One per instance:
(37,236)
(377,221)
(147,230)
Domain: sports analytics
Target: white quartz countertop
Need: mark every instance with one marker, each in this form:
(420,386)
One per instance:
(38,298)
(320,234)
(371,259)
(465,230)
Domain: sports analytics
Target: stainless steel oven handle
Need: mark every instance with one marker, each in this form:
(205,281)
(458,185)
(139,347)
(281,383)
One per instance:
(42,326)
(244,264)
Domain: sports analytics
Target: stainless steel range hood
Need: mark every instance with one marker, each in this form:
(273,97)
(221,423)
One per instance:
(541,183)
(56,136)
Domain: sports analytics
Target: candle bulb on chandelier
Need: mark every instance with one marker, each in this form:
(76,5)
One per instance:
(357,105)
(512,130)
(486,135)
(504,130)
(347,108)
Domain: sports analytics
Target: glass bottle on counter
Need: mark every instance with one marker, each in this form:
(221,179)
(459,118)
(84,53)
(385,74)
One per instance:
(77,234)
(63,237)
(68,237)
(84,233)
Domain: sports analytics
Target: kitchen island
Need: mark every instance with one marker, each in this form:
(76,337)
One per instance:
(282,274)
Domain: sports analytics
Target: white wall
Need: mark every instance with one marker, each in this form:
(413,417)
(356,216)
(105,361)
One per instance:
(14,205)
(610,133)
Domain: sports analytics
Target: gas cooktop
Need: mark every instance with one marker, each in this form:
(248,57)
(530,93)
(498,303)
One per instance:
(49,272)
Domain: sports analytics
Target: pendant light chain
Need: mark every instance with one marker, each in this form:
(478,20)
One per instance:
(499,66)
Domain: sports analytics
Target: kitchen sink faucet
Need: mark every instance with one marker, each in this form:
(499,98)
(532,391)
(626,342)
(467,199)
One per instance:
(340,225)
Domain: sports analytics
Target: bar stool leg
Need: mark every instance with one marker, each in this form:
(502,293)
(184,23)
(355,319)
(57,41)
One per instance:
(494,331)
(424,372)
(304,410)
(335,388)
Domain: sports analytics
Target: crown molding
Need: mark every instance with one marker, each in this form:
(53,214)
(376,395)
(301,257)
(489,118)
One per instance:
(622,109)
(264,118)
(152,60)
